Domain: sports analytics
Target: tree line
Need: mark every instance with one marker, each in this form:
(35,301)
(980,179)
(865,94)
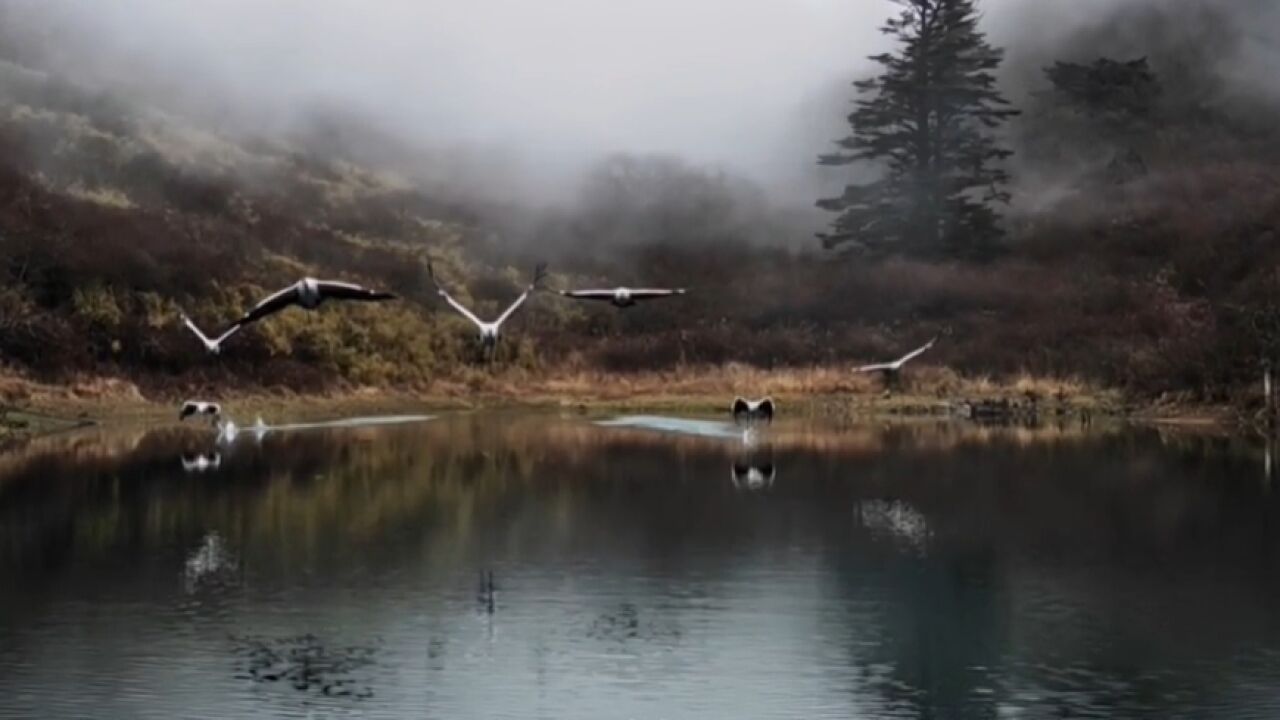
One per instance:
(928,124)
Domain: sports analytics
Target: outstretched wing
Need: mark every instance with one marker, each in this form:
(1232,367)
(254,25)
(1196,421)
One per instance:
(539,273)
(188,409)
(514,306)
(914,353)
(653,293)
(592,294)
(335,290)
(769,472)
(210,344)
(229,332)
(740,407)
(195,330)
(272,304)
(897,364)
(459,307)
(766,409)
(431,274)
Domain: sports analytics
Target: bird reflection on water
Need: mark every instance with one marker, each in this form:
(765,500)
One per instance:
(752,476)
(630,586)
(201,462)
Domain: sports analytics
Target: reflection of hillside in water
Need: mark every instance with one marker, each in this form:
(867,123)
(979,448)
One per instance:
(310,491)
(943,547)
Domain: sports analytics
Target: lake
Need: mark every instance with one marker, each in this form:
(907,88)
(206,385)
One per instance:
(522,565)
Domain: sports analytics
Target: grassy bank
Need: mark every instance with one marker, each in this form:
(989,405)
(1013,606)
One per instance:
(826,391)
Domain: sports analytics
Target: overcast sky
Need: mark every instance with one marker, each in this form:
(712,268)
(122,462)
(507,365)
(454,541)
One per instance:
(745,84)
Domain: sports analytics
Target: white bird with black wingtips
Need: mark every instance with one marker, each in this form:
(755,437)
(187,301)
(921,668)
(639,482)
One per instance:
(210,410)
(891,369)
(752,412)
(213,345)
(308,294)
(623,297)
(489,330)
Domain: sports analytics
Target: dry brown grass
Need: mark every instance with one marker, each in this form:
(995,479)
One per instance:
(822,390)
(107,197)
(926,389)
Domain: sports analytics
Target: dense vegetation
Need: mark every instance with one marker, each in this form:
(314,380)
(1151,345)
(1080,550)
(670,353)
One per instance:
(929,119)
(1139,249)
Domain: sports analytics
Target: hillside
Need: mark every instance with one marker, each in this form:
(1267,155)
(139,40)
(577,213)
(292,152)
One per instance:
(113,218)
(114,214)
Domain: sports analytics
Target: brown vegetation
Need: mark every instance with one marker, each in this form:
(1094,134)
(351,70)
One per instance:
(112,218)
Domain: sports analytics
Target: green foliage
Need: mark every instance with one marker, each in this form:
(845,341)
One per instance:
(926,123)
(97,304)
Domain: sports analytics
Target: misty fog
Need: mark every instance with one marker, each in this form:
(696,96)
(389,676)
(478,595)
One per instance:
(755,86)
(523,97)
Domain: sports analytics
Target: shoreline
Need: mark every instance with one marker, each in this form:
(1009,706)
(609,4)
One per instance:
(827,393)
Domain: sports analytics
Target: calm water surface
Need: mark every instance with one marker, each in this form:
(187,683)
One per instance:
(641,568)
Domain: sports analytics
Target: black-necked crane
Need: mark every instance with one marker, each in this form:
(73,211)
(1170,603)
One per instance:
(753,412)
(891,370)
(308,294)
(210,410)
(623,297)
(489,330)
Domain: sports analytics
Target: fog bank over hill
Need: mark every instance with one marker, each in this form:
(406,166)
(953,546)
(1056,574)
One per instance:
(515,101)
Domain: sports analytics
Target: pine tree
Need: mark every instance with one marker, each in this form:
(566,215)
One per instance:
(926,122)
(1108,106)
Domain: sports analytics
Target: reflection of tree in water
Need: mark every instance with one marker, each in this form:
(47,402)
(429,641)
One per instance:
(307,663)
(929,631)
(942,633)
(925,623)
